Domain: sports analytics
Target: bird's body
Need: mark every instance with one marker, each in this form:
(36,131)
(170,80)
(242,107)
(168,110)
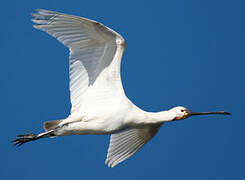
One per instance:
(99,104)
(99,120)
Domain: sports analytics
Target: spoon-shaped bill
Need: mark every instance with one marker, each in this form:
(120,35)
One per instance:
(206,113)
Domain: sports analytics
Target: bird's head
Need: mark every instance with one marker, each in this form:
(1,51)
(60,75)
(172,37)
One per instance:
(182,113)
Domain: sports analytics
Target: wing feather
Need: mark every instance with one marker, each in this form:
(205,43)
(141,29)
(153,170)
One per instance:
(92,45)
(127,142)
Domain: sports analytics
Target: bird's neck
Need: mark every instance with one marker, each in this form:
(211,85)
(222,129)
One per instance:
(160,117)
(145,118)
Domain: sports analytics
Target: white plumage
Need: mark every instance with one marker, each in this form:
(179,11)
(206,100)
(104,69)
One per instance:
(99,104)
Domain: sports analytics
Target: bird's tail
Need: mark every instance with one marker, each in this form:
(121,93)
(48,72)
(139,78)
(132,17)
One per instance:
(50,125)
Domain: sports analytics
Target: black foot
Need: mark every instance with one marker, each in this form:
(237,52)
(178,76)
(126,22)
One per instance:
(23,138)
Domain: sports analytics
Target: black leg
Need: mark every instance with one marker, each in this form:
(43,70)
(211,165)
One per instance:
(23,138)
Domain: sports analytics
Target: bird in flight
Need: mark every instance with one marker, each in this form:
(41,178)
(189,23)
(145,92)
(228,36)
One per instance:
(99,103)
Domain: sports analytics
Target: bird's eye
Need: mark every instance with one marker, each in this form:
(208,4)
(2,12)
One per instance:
(182,110)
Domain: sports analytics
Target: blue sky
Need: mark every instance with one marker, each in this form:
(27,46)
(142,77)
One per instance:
(179,52)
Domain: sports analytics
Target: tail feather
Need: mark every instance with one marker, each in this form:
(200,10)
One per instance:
(49,125)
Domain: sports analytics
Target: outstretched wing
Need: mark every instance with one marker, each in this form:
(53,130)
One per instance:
(127,142)
(94,48)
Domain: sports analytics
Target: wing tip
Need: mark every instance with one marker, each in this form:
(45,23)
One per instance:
(44,11)
(43,17)
(110,163)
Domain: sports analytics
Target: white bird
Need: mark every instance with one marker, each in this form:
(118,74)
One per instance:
(99,104)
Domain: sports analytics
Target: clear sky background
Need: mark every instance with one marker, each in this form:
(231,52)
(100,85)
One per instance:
(179,52)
